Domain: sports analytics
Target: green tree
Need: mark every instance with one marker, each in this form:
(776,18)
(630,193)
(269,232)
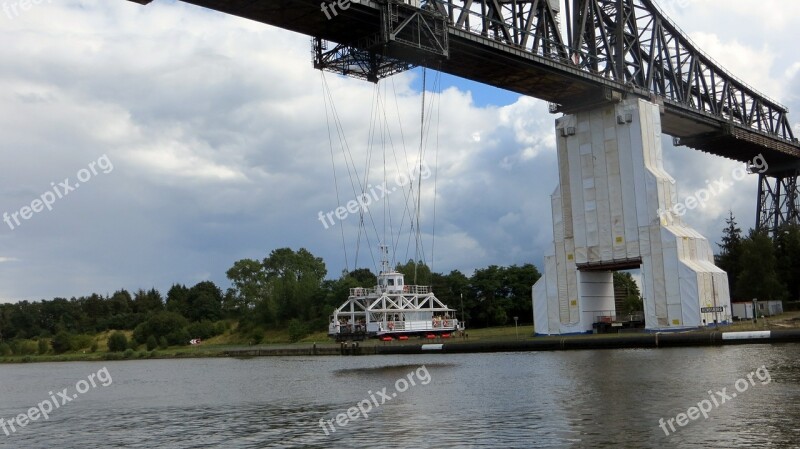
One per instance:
(334,292)
(249,280)
(43,346)
(152,343)
(117,342)
(297,330)
(205,302)
(454,291)
(415,272)
(133,344)
(178,299)
(146,302)
(95,309)
(169,325)
(787,253)
(294,283)
(59,315)
(517,282)
(120,303)
(487,285)
(24,320)
(729,257)
(62,342)
(759,279)
(203,330)
(364,277)
(623,281)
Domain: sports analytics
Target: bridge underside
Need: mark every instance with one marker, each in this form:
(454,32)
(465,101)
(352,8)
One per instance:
(488,61)
(489,47)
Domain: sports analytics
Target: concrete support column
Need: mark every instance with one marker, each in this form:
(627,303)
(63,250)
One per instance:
(608,212)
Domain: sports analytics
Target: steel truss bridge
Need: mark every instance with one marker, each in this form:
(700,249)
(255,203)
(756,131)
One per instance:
(612,49)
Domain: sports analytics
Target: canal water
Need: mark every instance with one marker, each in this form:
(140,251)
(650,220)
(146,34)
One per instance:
(714,397)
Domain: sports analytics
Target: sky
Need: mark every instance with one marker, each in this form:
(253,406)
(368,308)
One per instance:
(197,139)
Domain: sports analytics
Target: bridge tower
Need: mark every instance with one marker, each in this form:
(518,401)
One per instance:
(778,200)
(613,210)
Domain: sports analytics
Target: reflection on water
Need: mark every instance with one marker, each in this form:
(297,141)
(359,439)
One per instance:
(546,399)
(394,371)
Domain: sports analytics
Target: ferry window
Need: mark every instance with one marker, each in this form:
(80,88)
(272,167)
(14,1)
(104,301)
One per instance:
(399,282)
(391,281)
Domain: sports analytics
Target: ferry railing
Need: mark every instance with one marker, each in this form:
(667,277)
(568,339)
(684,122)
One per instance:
(360,291)
(407,289)
(412,326)
(417,289)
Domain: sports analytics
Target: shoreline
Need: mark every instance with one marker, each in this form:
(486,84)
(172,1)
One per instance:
(461,346)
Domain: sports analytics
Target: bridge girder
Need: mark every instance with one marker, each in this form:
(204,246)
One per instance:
(633,42)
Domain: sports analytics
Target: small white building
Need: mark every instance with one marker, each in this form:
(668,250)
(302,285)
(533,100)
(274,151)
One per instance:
(743,310)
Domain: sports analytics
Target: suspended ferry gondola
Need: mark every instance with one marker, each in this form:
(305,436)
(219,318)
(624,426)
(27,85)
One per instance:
(391,310)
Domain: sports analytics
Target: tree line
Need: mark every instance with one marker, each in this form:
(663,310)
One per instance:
(287,290)
(69,324)
(760,265)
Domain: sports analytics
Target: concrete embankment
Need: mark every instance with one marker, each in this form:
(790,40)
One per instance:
(656,340)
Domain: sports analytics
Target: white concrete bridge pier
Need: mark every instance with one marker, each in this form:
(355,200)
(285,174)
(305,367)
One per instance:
(614,208)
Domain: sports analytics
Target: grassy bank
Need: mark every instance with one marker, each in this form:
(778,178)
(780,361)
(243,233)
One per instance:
(230,340)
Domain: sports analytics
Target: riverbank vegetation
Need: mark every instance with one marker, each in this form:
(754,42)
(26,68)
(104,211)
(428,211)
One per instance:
(286,298)
(282,298)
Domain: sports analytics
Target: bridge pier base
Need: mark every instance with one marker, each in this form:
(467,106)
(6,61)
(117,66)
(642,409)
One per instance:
(616,208)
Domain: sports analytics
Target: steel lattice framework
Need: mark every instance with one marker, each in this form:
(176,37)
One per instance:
(633,43)
(778,201)
(528,24)
(605,50)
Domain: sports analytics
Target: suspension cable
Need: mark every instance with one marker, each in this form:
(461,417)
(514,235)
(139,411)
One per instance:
(333,166)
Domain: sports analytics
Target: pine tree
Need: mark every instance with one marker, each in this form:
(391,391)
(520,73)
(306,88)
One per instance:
(730,253)
(759,277)
(787,251)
